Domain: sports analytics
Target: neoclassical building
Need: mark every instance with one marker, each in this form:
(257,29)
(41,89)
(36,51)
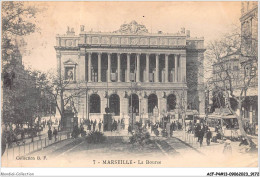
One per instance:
(132,71)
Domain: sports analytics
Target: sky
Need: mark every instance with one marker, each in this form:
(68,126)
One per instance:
(208,19)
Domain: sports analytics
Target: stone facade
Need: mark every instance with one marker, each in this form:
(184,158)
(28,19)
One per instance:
(249,31)
(132,67)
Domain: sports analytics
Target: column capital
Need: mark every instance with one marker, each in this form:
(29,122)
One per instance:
(89,53)
(166,54)
(128,53)
(81,54)
(157,54)
(99,53)
(118,54)
(183,55)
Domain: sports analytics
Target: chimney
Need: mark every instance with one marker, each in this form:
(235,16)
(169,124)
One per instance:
(183,30)
(188,33)
(70,32)
(82,28)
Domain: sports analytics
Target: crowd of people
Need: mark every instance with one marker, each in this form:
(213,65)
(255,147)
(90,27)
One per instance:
(52,133)
(19,133)
(201,131)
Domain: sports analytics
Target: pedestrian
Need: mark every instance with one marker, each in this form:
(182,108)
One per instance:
(94,125)
(227,148)
(115,125)
(174,126)
(49,134)
(197,131)
(75,132)
(244,145)
(171,129)
(82,132)
(99,126)
(201,135)
(89,126)
(55,133)
(129,129)
(209,136)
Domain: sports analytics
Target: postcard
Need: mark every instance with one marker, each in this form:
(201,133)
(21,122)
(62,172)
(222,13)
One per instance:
(129,84)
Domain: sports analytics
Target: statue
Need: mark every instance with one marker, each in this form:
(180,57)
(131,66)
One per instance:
(132,28)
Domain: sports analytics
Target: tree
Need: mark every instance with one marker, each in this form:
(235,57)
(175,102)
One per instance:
(62,90)
(18,20)
(182,105)
(232,82)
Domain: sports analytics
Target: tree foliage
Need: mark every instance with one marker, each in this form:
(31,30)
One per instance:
(232,84)
(21,98)
(18,20)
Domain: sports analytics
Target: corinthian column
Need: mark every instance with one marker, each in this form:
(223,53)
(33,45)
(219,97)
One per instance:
(138,68)
(176,68)
(99,67)
(128,68)
(82,65)
(109,67)
(89,67)
(166,67)
(147,68)
(118,68)
(183,67)
(157,68)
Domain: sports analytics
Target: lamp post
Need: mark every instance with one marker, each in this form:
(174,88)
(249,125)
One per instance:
(136,86)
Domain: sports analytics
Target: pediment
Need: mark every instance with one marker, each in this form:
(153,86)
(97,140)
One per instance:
(69,62)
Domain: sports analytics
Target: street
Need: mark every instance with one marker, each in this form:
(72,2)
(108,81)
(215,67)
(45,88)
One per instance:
(165,151)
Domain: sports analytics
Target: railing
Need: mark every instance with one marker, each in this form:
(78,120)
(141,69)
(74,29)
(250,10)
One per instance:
(28,148)
(189,138)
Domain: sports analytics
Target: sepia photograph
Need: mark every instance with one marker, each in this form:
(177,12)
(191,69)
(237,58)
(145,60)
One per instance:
(129,84)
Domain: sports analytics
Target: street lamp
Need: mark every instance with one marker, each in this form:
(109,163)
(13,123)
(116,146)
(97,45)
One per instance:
(136,86)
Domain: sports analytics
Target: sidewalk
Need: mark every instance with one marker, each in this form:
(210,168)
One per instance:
(215,150)
(30,147)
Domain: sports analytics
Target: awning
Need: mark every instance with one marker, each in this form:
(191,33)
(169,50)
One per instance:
(216,116)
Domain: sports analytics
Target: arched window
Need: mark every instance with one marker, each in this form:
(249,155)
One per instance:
(94,103)
(114,104)
(134,103)
(152,102)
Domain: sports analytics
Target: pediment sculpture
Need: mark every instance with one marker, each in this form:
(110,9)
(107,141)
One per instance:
(132,28)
